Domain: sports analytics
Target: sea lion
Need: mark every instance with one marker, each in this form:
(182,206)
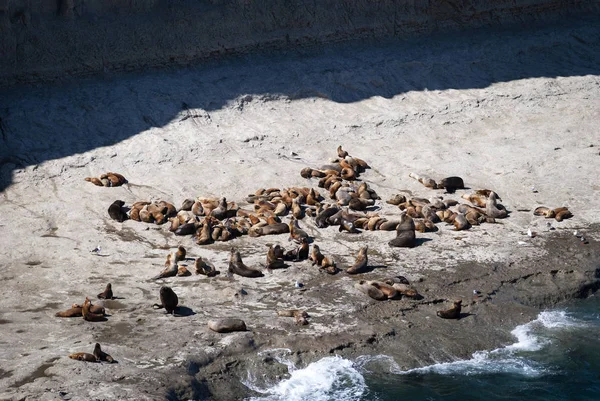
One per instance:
(348,226)
(405,233)
(298,315)
(544,211)
(205,234)
(396,199)
(83,356)
(185,229)
(360,204)
(460,222)
(180,254)
(72,312)
(451,184)
(220,212)
(296,233)
(205,267)
(341,152)
(275,257)
(237,266)
(562,213)
(388,290)
(271,229)
(95,181)
(452,313)
(116,212)
(227,325)
(298,254)
(187,205)
(297,211)
(182,271)
(322,218)
(88,315)
(101,355)
(361,262)
(492,209)
(328,266)
(170,269)
(370,290)
(95,309)
(426,181)
(316,256)
(107,294)
(168,300)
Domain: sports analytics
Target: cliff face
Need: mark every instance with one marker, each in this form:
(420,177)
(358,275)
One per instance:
(43,39)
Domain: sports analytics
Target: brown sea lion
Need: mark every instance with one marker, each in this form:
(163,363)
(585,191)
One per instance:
(205,235)
(328,266)
(562,213)
(168,300)
(170,269)
(95,309)
(316,256)
(107,294)
(405,233)
(72,312)
(180,254)
(396,199)
(341,152)
(116,212)
(101,355)
(227,325)
(452,313)
(88,315)
(83,356)
(182,271)
(544,211)
(271,229)
(370,290)
(389,291)
(95,181)
(205,267)
(299,316)
(460,222)
(275,257)
(361,262)
(492,209)
(237,266)
(426,181)
(297,210)
(296,233)
(220,212)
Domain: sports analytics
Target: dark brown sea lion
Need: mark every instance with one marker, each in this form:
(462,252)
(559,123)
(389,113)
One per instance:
(361,262)
(227,325)
(220,212)
(101,355)
(348,226)
(83,356)
(182,271)
(87,313)
(168,300)
(186,229)
(299,253)
(460,222)
(180,254)
(237,266)
(405,233)
(187,204)
(322,218)
(205,267)
(275,257)
(451,184)
(116,212)
(107,294)
(452,313)
(341,152)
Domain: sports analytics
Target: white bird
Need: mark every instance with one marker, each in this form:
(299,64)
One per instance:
(530,233)
(96,249)
(576,233)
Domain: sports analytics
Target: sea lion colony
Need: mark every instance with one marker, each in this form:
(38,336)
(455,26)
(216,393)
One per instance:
(351,205)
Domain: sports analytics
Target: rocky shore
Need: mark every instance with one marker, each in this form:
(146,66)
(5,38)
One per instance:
(512,112)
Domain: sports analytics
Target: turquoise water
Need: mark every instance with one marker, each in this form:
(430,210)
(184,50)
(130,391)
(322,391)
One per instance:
(555,357)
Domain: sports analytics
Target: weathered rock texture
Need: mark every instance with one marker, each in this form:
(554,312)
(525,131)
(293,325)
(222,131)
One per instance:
(42,39)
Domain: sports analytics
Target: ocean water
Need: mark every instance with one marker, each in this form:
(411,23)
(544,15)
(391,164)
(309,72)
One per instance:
(554,357)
